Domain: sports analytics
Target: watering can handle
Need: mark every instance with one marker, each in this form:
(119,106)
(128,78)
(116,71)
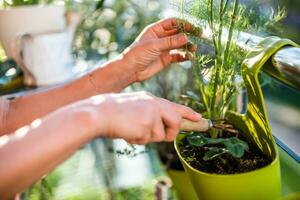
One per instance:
(202,126)
(17,51)
(286,66)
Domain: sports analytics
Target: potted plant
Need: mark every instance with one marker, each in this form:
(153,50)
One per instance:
(240,161)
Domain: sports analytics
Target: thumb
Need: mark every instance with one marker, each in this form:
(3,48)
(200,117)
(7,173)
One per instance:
(172,42)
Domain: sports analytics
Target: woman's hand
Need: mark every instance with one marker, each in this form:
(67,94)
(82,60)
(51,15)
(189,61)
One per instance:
(150,53)
(139,118)
(35,149)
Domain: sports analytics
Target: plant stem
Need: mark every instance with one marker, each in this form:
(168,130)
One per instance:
(201,88)
(211,22)
(221,14)
(231,27)
(214,76)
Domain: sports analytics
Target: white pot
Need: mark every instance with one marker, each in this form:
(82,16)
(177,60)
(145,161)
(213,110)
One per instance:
(29,19)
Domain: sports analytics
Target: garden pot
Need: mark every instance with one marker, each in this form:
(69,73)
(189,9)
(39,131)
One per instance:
(175,170)
(182,184)
(259,184)
(263,183)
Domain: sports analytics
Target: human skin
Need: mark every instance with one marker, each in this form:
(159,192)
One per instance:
(42,130)
(147,56)
(35,149)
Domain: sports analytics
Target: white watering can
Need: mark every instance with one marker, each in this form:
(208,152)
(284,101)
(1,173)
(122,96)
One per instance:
(39,39)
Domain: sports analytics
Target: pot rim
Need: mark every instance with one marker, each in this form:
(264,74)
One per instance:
(272,164)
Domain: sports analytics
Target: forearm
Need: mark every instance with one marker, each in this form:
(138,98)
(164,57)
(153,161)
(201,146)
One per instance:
(112,77)
(34,150)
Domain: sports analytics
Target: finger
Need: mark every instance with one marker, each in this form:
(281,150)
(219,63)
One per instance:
(172,42)
(191,47)
(171,119)
(131,141)
(136,142)
(159,64)
(185,26)
(172,57)
(185,112)
(173,23)
(165,59)
(180,56)
(144,139)
(169,33)
(178,25)
(158,133)
(168,24)
(160,33)
(141,141)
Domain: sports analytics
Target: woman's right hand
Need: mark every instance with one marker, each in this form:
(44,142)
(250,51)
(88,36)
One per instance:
(138,118)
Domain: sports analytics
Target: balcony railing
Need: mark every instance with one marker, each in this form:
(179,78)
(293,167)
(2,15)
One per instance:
(286,61)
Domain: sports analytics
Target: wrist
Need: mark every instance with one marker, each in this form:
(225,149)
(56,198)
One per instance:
(128,67)
(89,119)
(113,76)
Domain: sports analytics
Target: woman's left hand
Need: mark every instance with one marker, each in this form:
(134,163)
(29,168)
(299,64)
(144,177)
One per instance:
(151,51)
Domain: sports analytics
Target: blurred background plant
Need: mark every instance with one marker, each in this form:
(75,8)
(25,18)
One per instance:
(2,54)
(12,3)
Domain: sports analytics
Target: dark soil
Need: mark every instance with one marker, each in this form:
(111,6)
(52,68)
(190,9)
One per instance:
(226,164)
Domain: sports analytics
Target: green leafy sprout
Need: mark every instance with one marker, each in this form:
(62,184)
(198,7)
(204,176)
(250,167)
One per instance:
(232,146)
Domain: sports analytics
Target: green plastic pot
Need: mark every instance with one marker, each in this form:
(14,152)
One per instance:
(259,184)
(264,183)
(182,184)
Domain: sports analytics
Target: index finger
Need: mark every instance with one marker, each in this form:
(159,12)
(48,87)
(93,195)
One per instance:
(168,24)
(184,111)
(180,25)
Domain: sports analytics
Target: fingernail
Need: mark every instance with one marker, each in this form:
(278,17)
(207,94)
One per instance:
(183,38)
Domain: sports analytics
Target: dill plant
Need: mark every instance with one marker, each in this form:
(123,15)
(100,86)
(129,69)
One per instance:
(217,72)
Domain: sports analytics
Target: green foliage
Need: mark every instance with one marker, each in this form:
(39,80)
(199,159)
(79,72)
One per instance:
(216,67)
(216,74)
(43,189)
(12,3)
(135,193)
(2,54)
(106,32)
(232,146)
(70,4)
(261,18)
